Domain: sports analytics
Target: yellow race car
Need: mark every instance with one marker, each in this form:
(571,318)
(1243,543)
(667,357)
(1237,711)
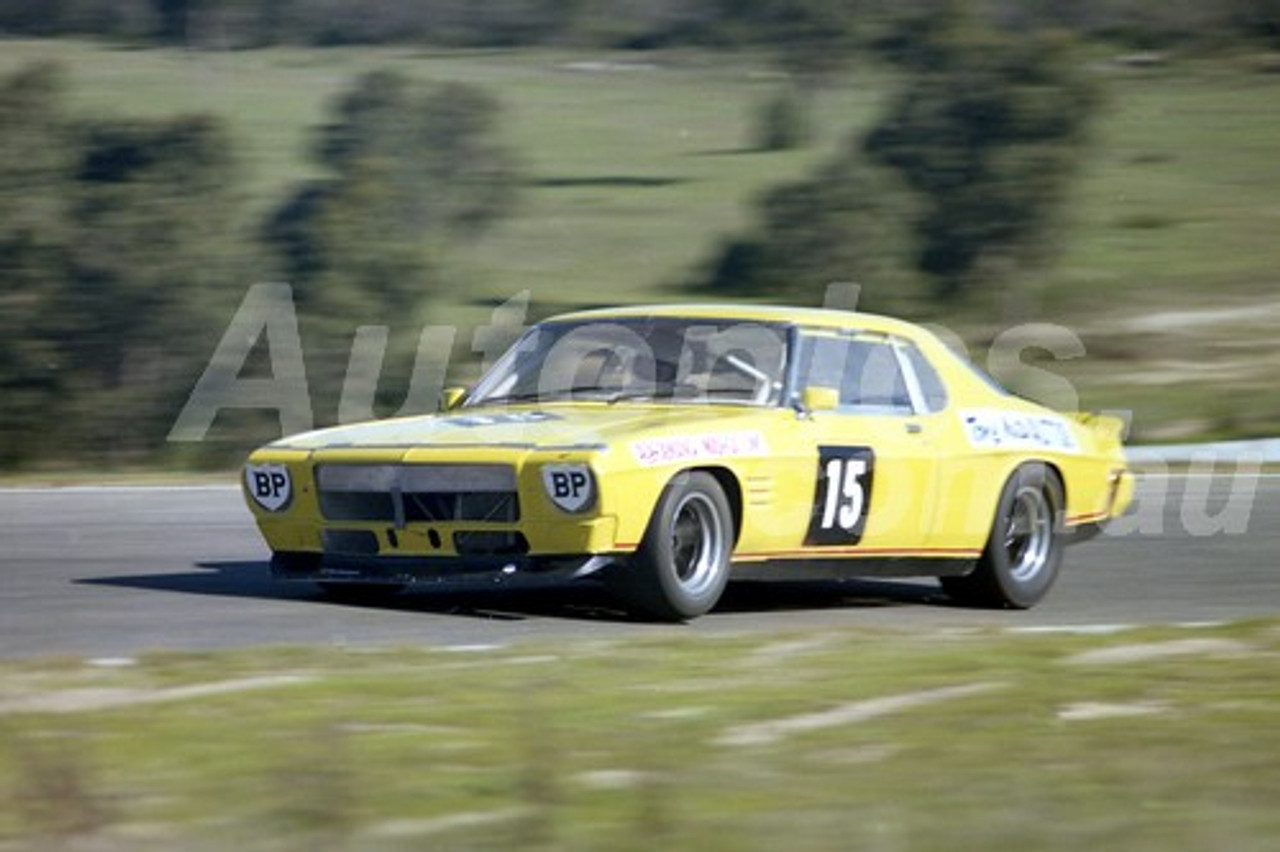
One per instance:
(664,449)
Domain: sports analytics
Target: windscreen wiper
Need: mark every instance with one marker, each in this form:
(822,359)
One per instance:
(539,396)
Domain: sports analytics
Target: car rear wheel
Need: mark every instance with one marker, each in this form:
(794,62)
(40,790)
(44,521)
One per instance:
(1024,550)
(682,565)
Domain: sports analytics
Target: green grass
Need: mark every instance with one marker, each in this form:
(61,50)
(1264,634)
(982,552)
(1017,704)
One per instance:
(639,167)
(670,741)
(1186,152)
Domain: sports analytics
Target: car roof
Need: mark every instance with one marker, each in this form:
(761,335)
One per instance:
(816,317)
(961,374)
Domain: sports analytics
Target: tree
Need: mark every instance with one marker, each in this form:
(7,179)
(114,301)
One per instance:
(151,219)
(811,40)
(115,244)
(32,17)
(175,20)
(1258,20)
(836,225)
(35,166)
(988,131)
(451,173)
(410,172)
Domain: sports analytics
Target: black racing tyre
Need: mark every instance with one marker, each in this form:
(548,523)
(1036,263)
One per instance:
(1024,550)
(682,565)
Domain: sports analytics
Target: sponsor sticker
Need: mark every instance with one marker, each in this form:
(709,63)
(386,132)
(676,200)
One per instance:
(679,449)
(270,485)
(570,486)
(995,429)
(843,497)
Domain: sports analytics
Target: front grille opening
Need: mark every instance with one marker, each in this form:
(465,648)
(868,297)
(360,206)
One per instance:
(357,506)
(350,542)
(490,543)
(490,506)
(401,494)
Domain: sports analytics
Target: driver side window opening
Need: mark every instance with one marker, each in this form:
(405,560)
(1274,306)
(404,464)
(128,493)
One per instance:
(873,378)
(867,370)
(933,392)
(600,368)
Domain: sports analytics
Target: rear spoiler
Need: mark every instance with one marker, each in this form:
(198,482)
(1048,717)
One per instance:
(1107,429)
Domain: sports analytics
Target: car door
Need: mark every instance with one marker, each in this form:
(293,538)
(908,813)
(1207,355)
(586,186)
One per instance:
(873,464)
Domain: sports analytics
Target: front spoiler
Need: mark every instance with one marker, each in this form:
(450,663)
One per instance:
(408,570)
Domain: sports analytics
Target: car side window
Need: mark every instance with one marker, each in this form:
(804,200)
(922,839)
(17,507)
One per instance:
(933,391)
(873,379)
(865,370)
(822,361)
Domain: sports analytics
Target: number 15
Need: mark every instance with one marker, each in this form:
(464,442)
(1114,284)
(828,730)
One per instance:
(845,495)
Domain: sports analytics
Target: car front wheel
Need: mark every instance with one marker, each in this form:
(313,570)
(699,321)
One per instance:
(682,565)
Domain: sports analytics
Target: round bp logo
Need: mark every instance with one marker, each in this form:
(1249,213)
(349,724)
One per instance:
(270,485)
(570,486)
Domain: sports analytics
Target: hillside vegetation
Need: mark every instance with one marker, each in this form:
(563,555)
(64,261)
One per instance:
(636,168)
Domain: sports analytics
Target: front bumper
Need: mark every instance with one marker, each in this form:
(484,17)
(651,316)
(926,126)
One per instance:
(442,542)
(366,516)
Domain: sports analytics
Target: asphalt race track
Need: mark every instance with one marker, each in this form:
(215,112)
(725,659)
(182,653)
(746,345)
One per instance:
(114,572)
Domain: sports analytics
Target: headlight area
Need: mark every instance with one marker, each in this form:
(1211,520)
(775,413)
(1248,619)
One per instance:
(279,492)
(269,485)
(573,516)
(570,487)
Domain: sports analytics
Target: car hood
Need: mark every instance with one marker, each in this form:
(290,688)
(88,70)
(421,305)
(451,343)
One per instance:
(540,428)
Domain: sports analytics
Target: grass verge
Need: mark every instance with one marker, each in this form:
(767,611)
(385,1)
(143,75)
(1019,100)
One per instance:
(1158,738)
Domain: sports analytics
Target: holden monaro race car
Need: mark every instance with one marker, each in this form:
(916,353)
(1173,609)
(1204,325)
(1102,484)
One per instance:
(665,449)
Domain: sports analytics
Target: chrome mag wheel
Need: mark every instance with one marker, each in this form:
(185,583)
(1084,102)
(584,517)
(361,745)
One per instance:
(1029,537)
(698,547)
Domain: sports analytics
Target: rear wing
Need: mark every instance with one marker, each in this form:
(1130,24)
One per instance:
(1108,430)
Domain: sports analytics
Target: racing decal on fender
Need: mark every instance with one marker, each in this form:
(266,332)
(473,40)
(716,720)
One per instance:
(270,485)
(990,429)
(678,449)
(569,486)
(843,496)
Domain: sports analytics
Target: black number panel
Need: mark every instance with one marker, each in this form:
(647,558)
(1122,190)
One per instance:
(843,496)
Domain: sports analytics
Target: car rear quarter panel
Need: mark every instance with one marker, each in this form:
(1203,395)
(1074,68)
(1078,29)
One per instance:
(1095,476)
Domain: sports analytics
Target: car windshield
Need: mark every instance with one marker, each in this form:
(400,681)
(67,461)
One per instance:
(681,360)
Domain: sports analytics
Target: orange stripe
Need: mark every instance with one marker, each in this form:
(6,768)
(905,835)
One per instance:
(940,552)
